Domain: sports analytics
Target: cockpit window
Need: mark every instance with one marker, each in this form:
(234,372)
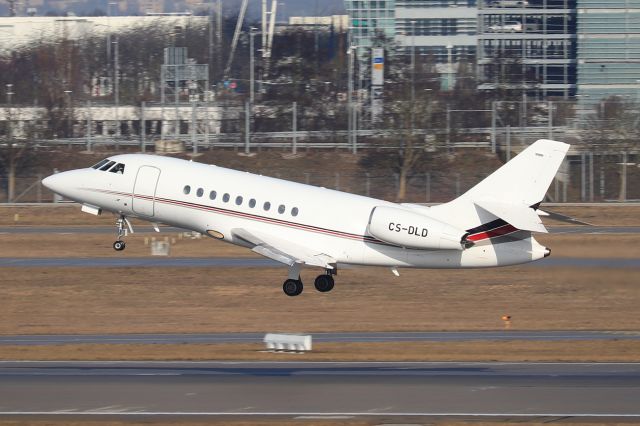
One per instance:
(107,166)
(100,164)
(118,168)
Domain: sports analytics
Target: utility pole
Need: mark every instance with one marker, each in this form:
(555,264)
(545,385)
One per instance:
(493,126)
(194,140)
(413,75)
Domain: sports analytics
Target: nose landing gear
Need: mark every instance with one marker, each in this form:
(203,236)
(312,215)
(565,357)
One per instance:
(122,226)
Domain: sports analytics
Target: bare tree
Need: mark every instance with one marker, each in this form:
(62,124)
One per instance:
(612,131)
(16,146)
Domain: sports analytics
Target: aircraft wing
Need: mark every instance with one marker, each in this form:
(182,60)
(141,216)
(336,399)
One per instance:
(282,250)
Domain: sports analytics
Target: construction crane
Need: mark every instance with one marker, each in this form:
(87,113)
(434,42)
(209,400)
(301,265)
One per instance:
(236,36)
(268,29)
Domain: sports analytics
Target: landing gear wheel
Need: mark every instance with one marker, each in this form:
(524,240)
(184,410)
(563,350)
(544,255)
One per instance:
(119,245)
(324,283)
(292,287)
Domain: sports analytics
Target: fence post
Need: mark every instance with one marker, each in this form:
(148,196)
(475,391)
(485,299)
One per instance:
(428,182)
(247,138)
(89,126)
(367,184)
(583,177)
(39,189)
(143,127)
(294,148)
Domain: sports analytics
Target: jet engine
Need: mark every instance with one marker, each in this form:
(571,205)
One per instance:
(413,230)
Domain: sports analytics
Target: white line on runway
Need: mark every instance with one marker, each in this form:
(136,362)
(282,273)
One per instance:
(298,414)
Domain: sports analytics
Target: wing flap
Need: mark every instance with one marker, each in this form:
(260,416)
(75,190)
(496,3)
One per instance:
(281,250)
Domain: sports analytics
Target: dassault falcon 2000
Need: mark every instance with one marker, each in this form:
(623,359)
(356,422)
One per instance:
(302,225)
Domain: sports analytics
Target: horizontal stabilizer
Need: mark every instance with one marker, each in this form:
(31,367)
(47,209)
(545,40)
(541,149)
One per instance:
(520,216)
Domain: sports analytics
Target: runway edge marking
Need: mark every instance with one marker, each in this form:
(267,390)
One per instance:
(238,414)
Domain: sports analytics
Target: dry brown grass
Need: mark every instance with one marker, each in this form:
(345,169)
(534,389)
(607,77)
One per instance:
(501,351)
(183,300)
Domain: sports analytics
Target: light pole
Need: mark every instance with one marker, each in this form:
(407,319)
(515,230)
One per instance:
(252,34)
(116,80)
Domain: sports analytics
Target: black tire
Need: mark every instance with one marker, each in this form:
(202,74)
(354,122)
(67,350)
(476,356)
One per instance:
(324,283)
(119,245)
(292,287)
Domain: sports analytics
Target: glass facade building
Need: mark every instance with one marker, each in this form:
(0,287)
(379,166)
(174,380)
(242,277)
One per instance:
(528,45)
(370,20)
(608,50)
(432,27)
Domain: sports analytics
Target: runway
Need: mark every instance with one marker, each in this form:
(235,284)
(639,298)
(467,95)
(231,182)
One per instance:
(251,262)
(388,337)
(320,389)
(31,229)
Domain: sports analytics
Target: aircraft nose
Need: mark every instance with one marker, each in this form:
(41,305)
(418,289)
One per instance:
(53,182)
(63,183)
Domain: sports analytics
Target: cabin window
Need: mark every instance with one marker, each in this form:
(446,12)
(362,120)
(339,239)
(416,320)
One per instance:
(200,192)
(281,208)
(118,168)
(238,200)
(267,206)
(107,166)
(213,195)
(294,211)
(226,198)
(186,189)
(252,203)
(100,164)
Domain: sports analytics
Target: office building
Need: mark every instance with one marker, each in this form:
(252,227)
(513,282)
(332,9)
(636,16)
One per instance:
(528,45)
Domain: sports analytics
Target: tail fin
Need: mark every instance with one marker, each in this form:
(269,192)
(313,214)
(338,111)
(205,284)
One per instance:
(511,193)
(526,178)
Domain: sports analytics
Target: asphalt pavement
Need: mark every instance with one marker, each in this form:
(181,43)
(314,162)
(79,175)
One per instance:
(389,337)
(402,389)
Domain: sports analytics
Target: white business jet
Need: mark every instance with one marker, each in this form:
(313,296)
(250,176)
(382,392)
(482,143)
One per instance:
(302,225)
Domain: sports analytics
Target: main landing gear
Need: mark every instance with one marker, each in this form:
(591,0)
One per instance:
(121,231)
(293,285)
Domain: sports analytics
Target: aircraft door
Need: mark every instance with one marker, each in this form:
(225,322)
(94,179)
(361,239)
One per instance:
(144,190)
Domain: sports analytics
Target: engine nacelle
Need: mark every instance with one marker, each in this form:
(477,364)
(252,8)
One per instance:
(413,230)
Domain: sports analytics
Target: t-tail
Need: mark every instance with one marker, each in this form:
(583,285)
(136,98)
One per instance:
(506,202)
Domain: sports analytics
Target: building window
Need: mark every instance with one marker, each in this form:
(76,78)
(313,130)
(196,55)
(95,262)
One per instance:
(186,190)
